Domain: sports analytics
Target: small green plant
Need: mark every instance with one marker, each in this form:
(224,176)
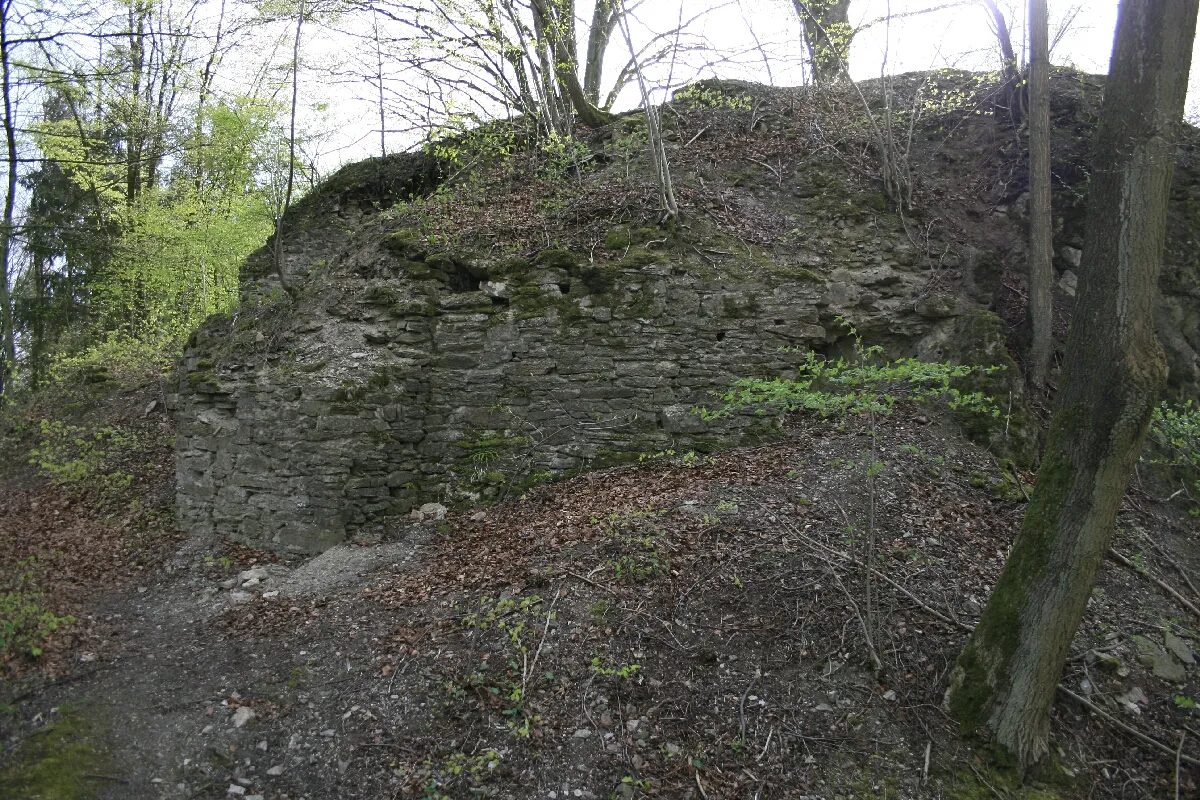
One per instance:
(507,687)
(700,97)
(601,611)
(862,385)
(644,457)
(25,623)
(1183,701)
(459,773)
(624,672)
(636,567)
(225,562)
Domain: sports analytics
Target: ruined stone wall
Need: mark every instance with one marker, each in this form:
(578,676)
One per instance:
(401,373)
(400,377)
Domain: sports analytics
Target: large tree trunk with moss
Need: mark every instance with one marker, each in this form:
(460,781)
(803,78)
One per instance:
(1041,236)
(1005,678)
(827,34)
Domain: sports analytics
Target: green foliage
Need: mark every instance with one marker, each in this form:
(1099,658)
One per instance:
(558,155)
(636,555)
(460,145)
(163,248)
(177,262)
(702,97)
(73,455)
(1173,447)
(691,459)
(116,357)
(505,688)
(25,623)
(459,772)
(624,672)
(834,389)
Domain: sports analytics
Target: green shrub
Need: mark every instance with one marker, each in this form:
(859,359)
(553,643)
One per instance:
(25,624)
(1173,448)
(72,455)
(862,385)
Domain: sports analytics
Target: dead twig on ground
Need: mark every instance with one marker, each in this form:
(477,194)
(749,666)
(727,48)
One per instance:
(591,582)
(742,704)
(1159,582)
(529,669)
(775,172)
(1141,737)
(699,133)
(1178,756)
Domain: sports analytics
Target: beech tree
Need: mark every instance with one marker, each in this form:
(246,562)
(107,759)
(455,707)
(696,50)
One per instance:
(1004,681)
(1041,234)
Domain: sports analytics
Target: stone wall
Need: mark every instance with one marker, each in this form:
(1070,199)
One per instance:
(398,376)
(400,373)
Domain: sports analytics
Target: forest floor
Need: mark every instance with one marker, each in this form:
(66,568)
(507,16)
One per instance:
(694,627)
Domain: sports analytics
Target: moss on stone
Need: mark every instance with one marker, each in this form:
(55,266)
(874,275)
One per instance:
(380,296)
(596,279)
(529,302)
(623,236)
(730,307)
(640,257)
(874,201)
(55,762)
(446,262)
(559,259)
(618,238)
(989,782)
(509,268)
(797,273)
(406,244)
(200,380)
(979,339)
(423,307)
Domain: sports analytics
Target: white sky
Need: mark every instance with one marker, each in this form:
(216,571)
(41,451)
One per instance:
(959,37)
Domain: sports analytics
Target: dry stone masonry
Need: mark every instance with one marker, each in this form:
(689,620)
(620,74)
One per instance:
(401,375)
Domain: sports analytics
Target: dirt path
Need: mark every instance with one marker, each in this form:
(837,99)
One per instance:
(677,630)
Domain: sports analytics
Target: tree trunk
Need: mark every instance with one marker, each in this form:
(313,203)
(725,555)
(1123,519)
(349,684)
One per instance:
(604,19)
(136,115)
(1005,677)
(1011,91)
(827,34)
(291,178)
(8,356)
(37,322)
(379,86)
(1041,234)
(562,49)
